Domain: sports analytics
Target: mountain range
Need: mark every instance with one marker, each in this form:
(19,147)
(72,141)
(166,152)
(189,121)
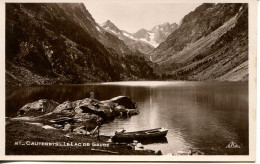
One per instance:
(143,40)
(133,43)
(52,43)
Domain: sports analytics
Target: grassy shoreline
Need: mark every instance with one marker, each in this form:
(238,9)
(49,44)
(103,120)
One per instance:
(21,139)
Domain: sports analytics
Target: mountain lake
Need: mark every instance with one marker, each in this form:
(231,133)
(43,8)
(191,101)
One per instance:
(204,116)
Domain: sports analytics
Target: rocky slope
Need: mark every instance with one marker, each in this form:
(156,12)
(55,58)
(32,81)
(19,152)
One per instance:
(210,44)
(133,43)
(52,43)
(157,34)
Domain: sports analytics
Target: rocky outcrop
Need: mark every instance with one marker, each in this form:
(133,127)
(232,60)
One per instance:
(75,116)
(87,117)
(85,110)
(162,31)
(85,106)
(108,109)
(131,112)
(37,108)
(68,106)
(123,101)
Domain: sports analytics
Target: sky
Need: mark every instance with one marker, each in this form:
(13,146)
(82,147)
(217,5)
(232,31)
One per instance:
(133,16)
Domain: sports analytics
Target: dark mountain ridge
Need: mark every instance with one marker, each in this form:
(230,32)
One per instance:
(54,43)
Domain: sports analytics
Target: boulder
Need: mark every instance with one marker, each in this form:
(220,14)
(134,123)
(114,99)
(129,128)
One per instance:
(85,101)
(57,126)
(69,106)
(67,127)
(81,130)
(37,108)
(85,106)
(87,117)
(66,106)
(119,108)
(78,110)
(124,101)
(131,112)
(102,110)
(119,111)
(106,109)
(48,127)
(139,145)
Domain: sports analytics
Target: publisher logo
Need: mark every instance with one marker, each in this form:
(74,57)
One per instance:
(232,144)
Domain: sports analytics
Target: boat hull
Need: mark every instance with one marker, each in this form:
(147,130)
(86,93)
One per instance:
(140,135)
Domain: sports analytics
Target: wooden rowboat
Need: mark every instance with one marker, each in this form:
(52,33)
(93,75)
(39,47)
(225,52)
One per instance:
(140,135)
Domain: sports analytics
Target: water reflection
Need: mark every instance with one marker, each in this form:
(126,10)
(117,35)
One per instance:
(158,140)
(199,115)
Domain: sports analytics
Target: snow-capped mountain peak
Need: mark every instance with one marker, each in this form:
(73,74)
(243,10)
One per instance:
(109,26)
(132,42)
(157,34)
(152,37)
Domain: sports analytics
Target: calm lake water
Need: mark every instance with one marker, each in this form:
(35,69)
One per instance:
(199,115)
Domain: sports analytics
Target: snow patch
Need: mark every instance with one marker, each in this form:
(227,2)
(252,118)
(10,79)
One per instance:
(151,36)
(98,28)
(151,42)
(151,33)
(129,36)
(112,31)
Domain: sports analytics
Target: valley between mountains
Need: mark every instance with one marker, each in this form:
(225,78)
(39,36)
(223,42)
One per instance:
(61,43)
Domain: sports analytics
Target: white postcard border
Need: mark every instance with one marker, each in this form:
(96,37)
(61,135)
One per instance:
(252,97)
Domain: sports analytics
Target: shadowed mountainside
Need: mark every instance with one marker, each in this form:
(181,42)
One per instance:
(54,43)
(210,44)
